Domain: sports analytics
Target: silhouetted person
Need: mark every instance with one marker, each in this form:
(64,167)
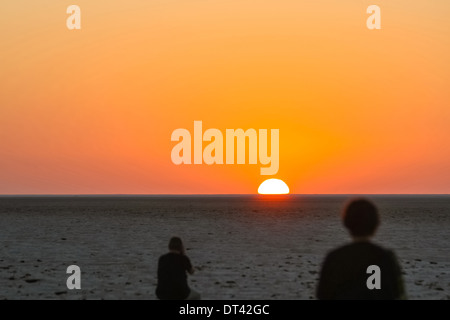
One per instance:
(344,271)
(172,277)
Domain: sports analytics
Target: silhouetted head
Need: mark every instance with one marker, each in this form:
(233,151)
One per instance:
(361,218)
(175,243)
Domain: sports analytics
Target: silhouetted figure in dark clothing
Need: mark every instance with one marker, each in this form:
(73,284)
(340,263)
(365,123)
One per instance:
(172,277)
(345,273)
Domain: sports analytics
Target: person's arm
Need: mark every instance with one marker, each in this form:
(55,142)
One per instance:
(325,286)
(399,286)
(191,270)
(189,267)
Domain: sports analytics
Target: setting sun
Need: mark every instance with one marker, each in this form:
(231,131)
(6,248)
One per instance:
(273,186)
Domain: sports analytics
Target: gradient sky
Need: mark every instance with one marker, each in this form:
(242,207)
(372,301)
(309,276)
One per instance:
(92,110)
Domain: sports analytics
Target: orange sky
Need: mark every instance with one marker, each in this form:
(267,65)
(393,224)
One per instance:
(92,110)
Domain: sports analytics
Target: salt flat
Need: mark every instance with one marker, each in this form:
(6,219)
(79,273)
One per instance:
(244,247)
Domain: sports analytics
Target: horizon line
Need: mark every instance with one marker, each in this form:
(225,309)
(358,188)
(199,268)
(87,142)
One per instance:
(213,194)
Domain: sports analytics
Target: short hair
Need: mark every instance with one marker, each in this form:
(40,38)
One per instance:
(175,243)
(361,218)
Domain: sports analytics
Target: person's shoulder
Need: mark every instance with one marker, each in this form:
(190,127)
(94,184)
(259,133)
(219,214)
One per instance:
(342,248)
(382,249)
(386,253)
(336,252)
(390,254)
(176,256)
(186,258)
(161,257)
(352,248)
(165,256)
